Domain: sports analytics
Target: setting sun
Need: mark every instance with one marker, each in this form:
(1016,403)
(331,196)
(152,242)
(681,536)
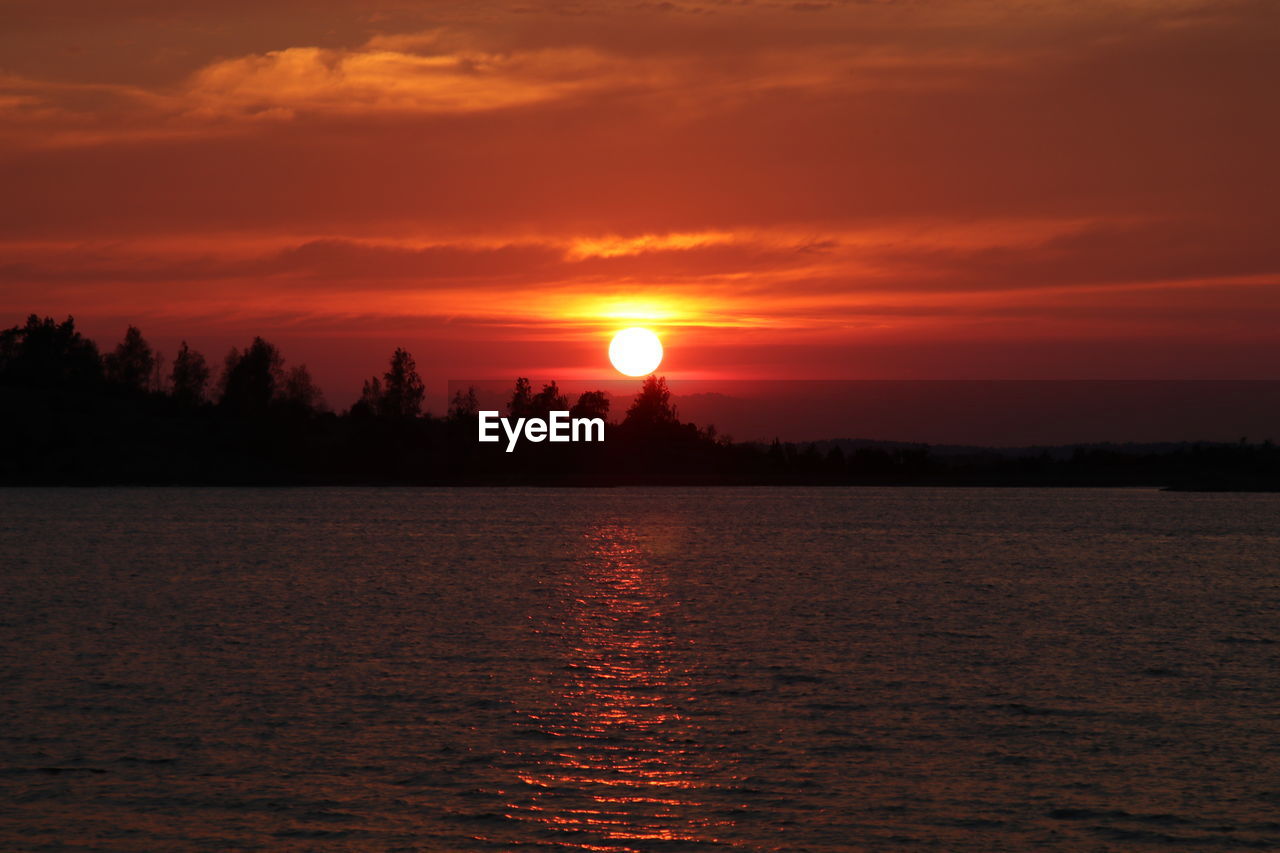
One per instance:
(635,352)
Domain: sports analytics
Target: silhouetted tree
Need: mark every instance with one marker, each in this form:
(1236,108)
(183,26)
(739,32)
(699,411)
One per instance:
(370,401)
(548,400)
(45,354)
(252,379)
(464,405)
(156,381)
(402,388)
(371,394)
(591,404)
(131,363)
(652,406)
(190,376)
(521,403)
(300,392)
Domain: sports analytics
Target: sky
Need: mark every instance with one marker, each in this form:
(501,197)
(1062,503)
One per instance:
(809,190)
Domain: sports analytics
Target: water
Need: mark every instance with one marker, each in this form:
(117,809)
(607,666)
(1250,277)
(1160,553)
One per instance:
(615,670)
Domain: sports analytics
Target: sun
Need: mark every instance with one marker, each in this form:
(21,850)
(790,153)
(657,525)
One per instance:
(635,352)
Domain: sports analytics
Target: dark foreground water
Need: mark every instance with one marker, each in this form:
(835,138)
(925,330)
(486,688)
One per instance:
(610,670)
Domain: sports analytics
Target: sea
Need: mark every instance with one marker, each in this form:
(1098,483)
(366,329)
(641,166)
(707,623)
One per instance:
(639,669)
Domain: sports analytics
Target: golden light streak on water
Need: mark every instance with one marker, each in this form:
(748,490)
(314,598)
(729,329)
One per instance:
(628,766)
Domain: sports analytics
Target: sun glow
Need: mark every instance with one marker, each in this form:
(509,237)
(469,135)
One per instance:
(635,352)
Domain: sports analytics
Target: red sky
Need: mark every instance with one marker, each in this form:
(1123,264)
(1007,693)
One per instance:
(812,189)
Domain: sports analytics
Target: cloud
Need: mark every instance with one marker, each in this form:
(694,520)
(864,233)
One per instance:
(895,276)
(441,72)
(417,75)
(353,264)
(284,82)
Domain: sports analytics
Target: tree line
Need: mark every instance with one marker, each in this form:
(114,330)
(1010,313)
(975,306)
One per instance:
(254,381)
(44,354)
(72,414)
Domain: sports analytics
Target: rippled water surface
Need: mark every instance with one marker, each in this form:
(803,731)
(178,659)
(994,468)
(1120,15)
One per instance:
(616,670)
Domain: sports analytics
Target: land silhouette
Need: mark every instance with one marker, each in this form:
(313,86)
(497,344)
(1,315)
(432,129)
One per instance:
(71,414)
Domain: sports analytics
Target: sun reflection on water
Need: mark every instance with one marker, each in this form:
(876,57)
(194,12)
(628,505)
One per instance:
(624,764)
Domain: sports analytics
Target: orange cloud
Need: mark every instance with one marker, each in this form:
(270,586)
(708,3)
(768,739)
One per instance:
(284,82)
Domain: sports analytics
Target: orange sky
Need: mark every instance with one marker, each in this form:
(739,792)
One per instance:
(812,189)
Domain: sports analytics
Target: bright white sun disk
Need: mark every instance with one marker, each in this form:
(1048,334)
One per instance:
(635,352)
